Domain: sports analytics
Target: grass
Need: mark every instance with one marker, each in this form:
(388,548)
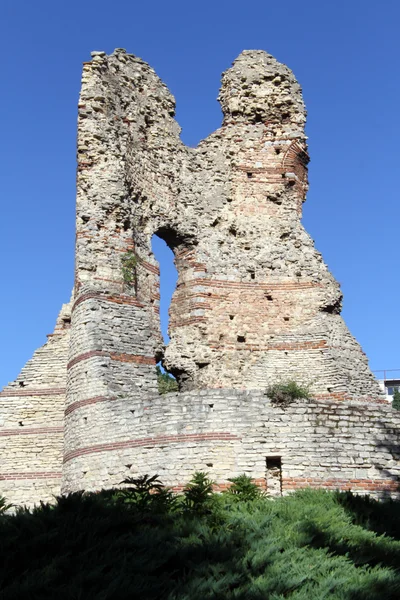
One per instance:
(286,392)
(312,545)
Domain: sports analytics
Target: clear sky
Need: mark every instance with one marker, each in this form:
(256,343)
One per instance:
(345,53)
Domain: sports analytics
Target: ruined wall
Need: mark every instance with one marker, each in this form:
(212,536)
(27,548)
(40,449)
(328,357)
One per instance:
(254,299)
(254,304)
(32,420)
(324,443)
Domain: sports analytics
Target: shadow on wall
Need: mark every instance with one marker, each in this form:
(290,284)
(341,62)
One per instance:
(389,443)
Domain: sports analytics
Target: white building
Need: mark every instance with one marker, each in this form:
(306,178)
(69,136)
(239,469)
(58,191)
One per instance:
(389,383)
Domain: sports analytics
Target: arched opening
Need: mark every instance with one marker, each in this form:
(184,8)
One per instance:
(168,279)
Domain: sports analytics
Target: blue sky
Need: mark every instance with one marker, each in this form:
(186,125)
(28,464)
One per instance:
(345,55)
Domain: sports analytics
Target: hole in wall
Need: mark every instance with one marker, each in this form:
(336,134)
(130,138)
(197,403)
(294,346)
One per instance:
(20,423)
(241,338)
(128,466)
(211,406)
(164,242)
(132,411)
(258,118)
(286,318)
(209,464)
(202,365)
(274,198)
(274,475)
(231,317)
(269,297)
(274,462)
(168,278)
(249,175)
(21,384)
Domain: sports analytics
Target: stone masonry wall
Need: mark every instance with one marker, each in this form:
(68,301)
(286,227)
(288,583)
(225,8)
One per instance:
(331,444)
(254,299)
(254,304)
(32,421)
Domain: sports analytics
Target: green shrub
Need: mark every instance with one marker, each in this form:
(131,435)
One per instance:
(312,545)
(4,507)
(146,494)
(243,488)
(198,492)
(396,400)
(166,383)
(128,268)
(284,393)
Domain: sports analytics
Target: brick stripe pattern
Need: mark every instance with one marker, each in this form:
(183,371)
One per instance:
(30,431)
(151,442)
(29,475)
(21,392)
(127,358)
(330,483)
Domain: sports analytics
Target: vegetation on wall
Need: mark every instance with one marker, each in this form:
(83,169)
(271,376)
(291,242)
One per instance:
(145,542)
(166,383)
(286,392)
(128,268)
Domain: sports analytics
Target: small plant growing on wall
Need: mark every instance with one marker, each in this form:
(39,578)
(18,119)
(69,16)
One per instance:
(128,267)
(284,393)
(166,383)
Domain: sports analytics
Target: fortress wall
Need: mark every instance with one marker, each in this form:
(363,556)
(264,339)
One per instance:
(344,445)
(254,304)
(32,422)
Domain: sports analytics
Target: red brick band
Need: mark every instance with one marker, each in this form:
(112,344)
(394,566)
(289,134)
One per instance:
(85,356)
(32,392)
(267,286)
(30,431)
(148,266)
(133,358)
(151,442)
(343,397)
(116,298)
(87,402)
(185,322)
(294,483)
(32,475)
(317,345)
(127,358)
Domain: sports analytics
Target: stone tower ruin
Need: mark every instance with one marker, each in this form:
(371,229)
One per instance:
(254,305)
